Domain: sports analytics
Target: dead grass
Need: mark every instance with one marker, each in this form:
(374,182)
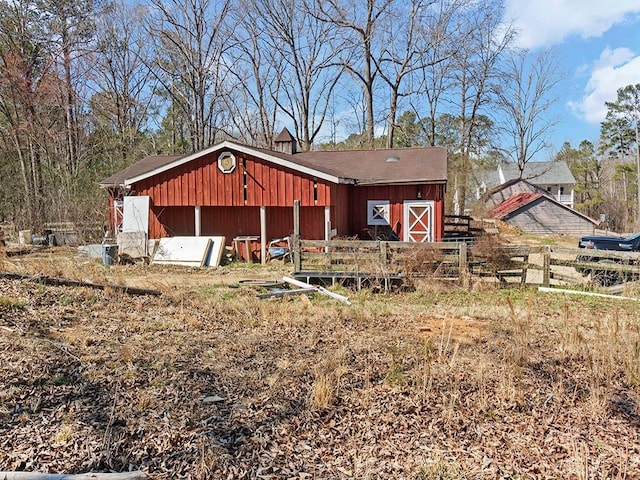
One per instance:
(437,383)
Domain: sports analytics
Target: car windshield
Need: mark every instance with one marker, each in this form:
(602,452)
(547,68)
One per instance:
(633,237)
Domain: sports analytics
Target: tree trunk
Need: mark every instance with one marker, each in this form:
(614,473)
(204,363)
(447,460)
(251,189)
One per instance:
(637,216)
(393,110)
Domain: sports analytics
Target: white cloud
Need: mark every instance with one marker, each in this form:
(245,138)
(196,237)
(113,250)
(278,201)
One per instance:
(614,69)
(548,22)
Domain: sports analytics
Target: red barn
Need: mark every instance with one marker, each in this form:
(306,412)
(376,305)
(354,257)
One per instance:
(234,190)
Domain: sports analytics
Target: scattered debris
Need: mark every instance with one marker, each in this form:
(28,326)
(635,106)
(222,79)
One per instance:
(398,388)
(275,290)
(261,283)
(93,250)
(189,251)
(19,251)
(319,289)
(286,293)
(132,245)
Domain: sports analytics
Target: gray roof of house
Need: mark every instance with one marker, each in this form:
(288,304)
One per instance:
(540,172)
(490,178)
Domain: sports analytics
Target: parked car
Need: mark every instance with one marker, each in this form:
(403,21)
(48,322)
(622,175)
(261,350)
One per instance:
(607,276)
(620,244)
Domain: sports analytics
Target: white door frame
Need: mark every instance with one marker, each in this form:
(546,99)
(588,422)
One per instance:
(406,208)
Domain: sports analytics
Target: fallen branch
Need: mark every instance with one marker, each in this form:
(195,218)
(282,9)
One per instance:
(67,282)
(82,476)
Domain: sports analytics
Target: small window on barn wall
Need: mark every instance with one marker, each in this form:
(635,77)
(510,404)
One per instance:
(227,162)
(378,212)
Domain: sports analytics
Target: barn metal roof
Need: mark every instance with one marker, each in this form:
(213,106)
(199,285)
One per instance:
(364,167)
(514,203)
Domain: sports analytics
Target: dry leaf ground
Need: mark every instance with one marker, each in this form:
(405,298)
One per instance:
(207,381)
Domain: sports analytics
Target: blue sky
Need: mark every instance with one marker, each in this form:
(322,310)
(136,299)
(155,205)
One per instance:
(598,44)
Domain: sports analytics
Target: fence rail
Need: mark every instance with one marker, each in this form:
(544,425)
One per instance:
(521,264)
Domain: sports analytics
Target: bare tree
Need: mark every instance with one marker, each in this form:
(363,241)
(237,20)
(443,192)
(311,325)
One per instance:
(620,131)
(28,86)
(524,95)
(257,76)
(484,39)
(122,104)
(435,77)
(358,27)
(70,30)
(414,36)
(300,43)
(190,39)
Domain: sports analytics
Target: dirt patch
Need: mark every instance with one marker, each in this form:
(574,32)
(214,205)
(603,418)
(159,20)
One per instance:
(465,330)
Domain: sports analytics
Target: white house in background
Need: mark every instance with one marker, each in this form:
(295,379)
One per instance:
(553,177)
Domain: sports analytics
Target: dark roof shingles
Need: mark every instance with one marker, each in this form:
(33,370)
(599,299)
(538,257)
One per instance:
(143,166)
(413,165)
(371,166)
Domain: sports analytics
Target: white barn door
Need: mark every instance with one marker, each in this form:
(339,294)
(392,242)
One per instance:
(136,214)
(418,221)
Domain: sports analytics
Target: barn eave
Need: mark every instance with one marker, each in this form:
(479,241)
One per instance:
(246,150)
(408,181)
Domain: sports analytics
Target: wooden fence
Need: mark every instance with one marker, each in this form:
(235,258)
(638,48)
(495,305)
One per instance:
(386,263)
(466,228)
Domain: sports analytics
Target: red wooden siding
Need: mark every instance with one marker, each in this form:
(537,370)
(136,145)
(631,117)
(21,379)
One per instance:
(396,195)
(171,221)
(231,222)
(348,215)
(200,182)
(280,222)
(342,209)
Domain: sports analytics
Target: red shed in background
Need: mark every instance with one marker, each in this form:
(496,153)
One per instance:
(233,190)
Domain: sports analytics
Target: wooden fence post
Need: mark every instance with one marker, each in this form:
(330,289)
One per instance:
(462,257)
(296,236)
(463,264)
(546,268)
(383,253)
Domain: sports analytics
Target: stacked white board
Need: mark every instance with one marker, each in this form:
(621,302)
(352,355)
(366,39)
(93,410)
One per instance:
(189,251)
